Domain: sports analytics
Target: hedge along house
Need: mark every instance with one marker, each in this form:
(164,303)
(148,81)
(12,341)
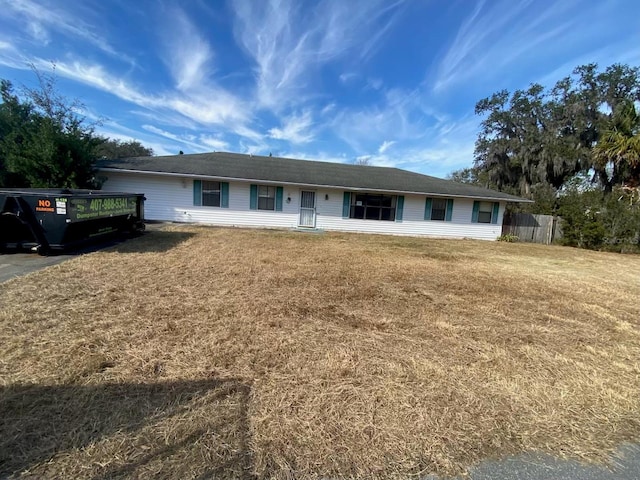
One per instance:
(243,190)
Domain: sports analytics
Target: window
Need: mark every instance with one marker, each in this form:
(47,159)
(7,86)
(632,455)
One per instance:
(211,194)
(438,209)
(369,206)
(266,197)
(485,210)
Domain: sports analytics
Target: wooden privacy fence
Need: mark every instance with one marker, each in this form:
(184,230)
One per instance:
(532,228)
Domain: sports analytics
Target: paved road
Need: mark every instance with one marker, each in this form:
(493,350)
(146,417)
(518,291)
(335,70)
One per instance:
(534,466)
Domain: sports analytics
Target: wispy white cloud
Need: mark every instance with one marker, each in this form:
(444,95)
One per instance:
(359,26)
(374,83)
(196,143)
(351,78)
(385,146)
(206,106)
(505,33)
(319,156)
(327,109)
(96,76)
(38,32)
(209,106)
(399,115)
(474,38)
(431,142)
(289,44)
(437,159)
(295,129)
(197,98)
(618,52)
(41,18)
(173,119)
(303,78)
(253,149)
(10,57)
(117,131)
(189,52)
(246,132)
(213,142)
(348,77)
(171,136)
(449,147)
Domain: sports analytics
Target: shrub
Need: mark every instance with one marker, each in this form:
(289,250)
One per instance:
(508,237)
(597,220)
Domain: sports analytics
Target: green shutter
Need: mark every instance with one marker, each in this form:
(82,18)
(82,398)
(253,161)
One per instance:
(197,192)
(253,197)
(399,208)
(427,208)
(346,204)
(449,213)
(279,192)
(224,194)
(474,214)
(496,211)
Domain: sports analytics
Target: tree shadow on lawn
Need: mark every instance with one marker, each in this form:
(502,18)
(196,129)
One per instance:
(187,429)
(153,241)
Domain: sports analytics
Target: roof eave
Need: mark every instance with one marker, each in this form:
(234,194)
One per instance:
(347,187)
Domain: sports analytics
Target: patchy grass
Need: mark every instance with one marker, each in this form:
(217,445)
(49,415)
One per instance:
(206,352)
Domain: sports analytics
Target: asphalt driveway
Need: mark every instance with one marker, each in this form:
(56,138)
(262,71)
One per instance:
(16,264)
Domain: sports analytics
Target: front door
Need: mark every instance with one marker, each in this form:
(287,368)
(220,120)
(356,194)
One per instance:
(307,209)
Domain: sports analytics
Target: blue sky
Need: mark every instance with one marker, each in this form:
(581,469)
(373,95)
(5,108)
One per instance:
(392,81)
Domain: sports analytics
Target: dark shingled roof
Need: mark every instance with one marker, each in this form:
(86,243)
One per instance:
(303,172)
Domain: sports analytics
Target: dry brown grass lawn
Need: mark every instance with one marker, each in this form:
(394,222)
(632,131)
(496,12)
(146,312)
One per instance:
(206,352)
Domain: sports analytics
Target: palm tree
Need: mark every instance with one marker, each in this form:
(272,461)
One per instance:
(617,153)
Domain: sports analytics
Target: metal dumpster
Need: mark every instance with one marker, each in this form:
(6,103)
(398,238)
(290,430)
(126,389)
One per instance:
(49,220)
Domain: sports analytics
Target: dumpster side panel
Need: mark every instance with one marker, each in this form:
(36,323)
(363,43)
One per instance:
(60,220)
(49,216)
(92,208)
(19,224)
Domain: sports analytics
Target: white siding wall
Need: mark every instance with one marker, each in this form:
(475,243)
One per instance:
(171,198)
(413,223)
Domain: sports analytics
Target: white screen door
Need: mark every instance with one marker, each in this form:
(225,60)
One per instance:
(308,209)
